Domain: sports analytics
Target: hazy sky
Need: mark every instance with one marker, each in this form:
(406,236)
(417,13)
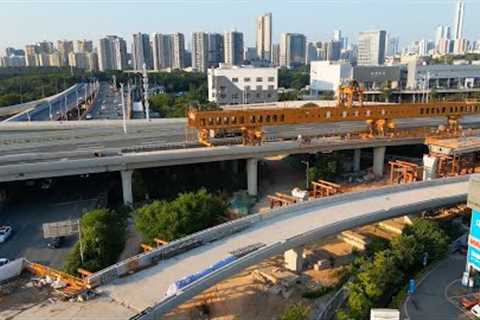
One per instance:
(23,21)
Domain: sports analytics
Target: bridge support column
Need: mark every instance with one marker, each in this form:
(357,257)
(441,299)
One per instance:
(252,179)
(378,161)
(235,167)
(357,154)
(294,259)
(429,167)
(127,187)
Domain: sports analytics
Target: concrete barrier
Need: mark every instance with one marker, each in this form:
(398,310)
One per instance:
(11,270)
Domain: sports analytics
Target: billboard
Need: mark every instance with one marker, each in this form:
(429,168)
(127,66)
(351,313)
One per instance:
(473,254)
(60,228)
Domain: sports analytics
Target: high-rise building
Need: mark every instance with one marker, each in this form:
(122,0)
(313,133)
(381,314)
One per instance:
(178,45)
(64,47)
(141,51)
(371,47)
(459,15)
(162,51)
(393,46)
(311,53)
(112,53)
(46,47)
(292,49)
(31,51)
(200,51)
(216,53)
(83,46)
(250,54)
(276,55)
(233,46)
(264,37)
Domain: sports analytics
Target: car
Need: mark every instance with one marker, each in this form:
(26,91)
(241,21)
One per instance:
(5,233)
(3,261)
(88,116)
(468,303)
(56,242)
(476,311)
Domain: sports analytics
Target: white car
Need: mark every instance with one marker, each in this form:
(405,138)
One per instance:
(476,311)
(3,261)
(5,233)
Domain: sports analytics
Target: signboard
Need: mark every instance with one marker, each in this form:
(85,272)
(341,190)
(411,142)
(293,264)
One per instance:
(60,228)
(412,286)
(473,254)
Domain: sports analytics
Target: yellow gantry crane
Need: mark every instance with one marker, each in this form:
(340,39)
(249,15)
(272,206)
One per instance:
(380,118)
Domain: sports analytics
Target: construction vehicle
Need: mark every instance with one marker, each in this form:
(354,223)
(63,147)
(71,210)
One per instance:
(380,118)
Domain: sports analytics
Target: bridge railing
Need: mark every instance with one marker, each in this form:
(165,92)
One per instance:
(182,245)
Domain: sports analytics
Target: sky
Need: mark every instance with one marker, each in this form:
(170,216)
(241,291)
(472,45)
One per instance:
(30,21)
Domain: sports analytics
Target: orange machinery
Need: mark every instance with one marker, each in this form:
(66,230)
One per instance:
(380,118)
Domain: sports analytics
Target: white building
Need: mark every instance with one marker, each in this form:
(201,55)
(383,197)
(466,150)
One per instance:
(328,75)
(230,85)
(200,51)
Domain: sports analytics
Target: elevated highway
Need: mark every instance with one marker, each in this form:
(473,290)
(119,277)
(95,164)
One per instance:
(280,230)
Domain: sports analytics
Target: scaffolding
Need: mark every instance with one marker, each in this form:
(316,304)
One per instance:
(404,172)
(323,188)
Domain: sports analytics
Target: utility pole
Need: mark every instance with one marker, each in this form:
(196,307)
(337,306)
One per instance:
(307,183)
(145,92)
(123,110)
(78,104)
(50,110)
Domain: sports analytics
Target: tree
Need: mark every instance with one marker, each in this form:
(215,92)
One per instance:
(296,312)
(103,238)
(189,213)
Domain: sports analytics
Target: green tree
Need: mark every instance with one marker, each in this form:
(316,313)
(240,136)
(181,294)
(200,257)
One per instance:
(103,238)
(295,312)
(189,213)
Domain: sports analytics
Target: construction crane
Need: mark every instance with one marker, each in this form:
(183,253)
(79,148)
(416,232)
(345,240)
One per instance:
(380,118)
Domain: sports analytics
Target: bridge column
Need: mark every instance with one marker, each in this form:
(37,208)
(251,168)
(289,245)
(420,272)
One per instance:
(357,154)
(429,167)
(235,166)
(378,161)
(127,187)
(252,173)
(294,259)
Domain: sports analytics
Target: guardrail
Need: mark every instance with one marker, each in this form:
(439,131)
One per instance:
(179,246)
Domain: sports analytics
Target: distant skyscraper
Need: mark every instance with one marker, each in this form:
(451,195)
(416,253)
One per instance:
(337,35)
(250,54)
(371,47)
(292,49)
(233,46)
(200,51)
(178,45)
(216,53)
(276,55)
(64,47)
(311,53)
(141,51)
(162,51)
(459,15)
(112,53)
(31,51)
(46,47)
(393,46)
(264,37)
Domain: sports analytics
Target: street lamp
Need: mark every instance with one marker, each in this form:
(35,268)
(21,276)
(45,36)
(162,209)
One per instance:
(307,184)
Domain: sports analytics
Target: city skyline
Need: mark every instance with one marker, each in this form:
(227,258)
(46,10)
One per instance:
(291,17)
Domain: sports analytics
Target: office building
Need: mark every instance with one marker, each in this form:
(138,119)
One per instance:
(264,37)
(112,53)
(292,49)
(199,51)
(371,47)
(233,46)
(393,46)
(311,53)
(230,85)
(64,47)
(443,76)
(216,53)
(178,46)
(459,16)
(141,52)
(162,51)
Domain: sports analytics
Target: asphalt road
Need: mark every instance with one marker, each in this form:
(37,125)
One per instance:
(432,301)
(108,103)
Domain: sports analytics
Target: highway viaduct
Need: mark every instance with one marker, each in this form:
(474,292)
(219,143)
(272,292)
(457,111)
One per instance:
(140,283)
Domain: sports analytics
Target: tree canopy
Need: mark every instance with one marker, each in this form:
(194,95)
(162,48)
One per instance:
(187,214)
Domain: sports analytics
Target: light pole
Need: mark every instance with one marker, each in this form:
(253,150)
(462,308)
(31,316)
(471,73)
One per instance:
(50,110)
(123,110)
(307,183)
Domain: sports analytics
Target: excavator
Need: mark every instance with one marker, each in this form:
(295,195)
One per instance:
(350,106)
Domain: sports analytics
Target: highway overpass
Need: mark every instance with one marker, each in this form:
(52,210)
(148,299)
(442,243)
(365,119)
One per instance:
(283,229)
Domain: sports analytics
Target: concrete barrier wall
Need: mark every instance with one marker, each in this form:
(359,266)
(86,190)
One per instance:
(224,230)
(11,270)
